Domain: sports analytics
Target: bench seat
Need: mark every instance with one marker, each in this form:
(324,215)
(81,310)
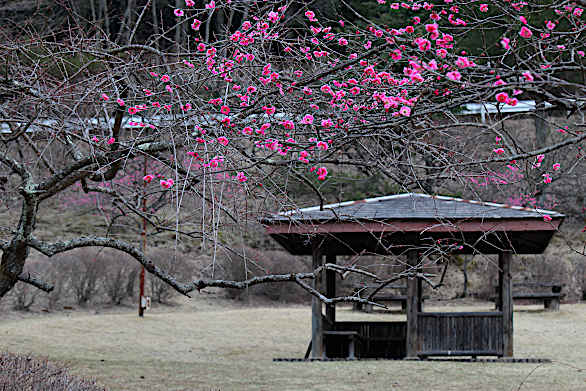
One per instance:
(551,301)
(390,298)
(351,337)
(537,295)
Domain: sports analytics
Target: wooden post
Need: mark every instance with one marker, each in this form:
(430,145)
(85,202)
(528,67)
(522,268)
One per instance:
(505,293)
(331,290)
(351,348)
(419,294)
(552,304)
(141,297)
(412,308)
(499,289)
(317,345)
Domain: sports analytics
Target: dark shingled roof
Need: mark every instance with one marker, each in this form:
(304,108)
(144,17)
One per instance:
(411,206)
(390,224)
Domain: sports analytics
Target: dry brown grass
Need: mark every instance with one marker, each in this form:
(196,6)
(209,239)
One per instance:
(203,347)
(24,373)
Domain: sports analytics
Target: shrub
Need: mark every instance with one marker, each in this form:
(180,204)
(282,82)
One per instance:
(117,268)
(131,280)
(24,373)
(173,263)
(60,289)
(24,296)
(265,262)
(83,270)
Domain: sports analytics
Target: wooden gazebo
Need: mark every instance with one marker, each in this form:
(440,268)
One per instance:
(406,224)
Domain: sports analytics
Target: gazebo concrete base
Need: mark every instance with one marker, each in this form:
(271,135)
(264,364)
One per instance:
(509,360)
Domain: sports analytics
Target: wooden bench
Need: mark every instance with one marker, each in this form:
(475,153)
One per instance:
(385,295)
(550,293)
(351,337)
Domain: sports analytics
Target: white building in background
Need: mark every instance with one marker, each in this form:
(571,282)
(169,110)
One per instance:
(523,106)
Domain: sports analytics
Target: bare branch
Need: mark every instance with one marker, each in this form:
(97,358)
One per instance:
(28,278)
(334,300)
(51,249)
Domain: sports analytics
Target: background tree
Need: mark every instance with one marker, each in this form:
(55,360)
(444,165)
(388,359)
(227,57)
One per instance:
(253,99)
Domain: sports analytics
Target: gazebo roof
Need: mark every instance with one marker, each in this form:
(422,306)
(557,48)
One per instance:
(390,223)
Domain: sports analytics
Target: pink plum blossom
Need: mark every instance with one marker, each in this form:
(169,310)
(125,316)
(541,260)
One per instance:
(454,75)
(303,155)
(525,32)
(405,111)
(307,119)
(326,89)
(502,97)
(166,184)
(431,28)
(288,124)
(270,110)
(310,15)
(241,177)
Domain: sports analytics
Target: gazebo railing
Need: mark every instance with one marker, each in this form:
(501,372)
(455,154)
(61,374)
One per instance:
(460,333)
(374,339)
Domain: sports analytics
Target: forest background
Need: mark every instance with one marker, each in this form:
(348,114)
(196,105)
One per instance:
(69,62)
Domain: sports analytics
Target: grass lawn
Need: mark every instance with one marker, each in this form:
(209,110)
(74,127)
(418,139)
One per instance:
(203,347)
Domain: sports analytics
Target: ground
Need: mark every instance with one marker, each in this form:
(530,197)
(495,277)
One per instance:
(214,345)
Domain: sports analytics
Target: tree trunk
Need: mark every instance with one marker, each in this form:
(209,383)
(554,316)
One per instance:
(126,27)
(15,253)
(465,273)
(93,10)
(12,265)
(6,284)
(178,30)
(104,10)
(540,142)
(428,182)
(219,26)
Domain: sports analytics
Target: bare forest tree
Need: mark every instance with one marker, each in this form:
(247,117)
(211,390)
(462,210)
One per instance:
(201,117)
